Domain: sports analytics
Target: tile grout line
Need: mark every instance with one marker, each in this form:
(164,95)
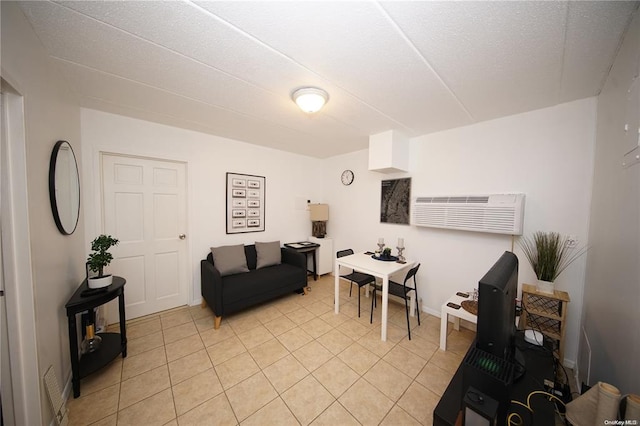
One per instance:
(354,338)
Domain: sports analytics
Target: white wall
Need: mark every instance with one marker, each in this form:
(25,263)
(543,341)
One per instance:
(612,291)
(291,179)
(50,113)
(546,154)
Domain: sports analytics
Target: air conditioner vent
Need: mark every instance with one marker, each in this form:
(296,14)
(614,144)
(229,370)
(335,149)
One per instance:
(454,200)
(482,200)
(499,213)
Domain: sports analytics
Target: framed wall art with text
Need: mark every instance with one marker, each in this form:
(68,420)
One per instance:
(245,203)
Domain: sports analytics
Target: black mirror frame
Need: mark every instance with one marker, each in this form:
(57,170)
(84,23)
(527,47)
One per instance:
(52,188)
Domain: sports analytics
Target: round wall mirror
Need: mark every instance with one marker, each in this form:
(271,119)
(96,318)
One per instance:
(64,187)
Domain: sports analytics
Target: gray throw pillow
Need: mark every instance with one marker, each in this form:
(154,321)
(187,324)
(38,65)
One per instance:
(268,254)
(230,259)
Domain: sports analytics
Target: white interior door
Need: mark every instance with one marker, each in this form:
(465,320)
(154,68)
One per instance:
(144,206)
(20,375)
(6,381)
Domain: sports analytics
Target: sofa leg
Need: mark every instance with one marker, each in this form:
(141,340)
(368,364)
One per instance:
(203,304)
(216,322)
(304,290)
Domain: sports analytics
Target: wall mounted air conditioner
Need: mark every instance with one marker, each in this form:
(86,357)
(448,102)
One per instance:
(498,213)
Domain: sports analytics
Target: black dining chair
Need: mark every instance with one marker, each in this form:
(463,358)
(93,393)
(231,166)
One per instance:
(401,290)
(358,278)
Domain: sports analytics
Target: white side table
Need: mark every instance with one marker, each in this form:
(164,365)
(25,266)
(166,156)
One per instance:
(324,255)
(457,315)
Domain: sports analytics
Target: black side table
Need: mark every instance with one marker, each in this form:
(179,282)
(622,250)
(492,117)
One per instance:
(113,344)
(307,248)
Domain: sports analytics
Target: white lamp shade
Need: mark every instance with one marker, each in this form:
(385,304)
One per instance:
(310,99)
(319,212)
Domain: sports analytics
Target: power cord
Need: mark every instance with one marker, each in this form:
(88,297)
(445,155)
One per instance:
(514,415)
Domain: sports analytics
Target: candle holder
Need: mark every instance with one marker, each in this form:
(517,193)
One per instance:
(380,247)
(400,256)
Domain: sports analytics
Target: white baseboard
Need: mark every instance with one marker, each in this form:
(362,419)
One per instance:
(434,312)
(463,323)
(66,391)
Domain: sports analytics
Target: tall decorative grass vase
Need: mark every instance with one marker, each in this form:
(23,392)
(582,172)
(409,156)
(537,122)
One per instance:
(545,286)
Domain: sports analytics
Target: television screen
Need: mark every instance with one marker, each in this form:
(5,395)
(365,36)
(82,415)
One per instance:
(497,292)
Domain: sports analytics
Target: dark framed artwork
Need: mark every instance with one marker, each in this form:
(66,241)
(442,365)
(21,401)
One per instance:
(395,201)
(245,203)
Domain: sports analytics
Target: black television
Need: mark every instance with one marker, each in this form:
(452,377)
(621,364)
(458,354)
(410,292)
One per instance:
(493,365)
(497,292)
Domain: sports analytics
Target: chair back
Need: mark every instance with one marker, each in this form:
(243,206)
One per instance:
(411,274)
(343,253)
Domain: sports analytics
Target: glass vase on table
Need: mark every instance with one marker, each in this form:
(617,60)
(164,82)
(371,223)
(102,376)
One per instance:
(91,342)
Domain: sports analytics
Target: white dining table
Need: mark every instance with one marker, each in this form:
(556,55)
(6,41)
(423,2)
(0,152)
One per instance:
(362,262)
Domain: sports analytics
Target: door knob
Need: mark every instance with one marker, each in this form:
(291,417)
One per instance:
(182,236)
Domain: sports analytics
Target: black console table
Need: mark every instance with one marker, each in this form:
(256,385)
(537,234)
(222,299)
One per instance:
(539,366)
(113,344)
(307,248)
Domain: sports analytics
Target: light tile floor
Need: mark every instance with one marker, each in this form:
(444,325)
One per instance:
(289,361)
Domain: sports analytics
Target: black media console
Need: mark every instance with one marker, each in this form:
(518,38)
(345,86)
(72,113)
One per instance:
(539,366)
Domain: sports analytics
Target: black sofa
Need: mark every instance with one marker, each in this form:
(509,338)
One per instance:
(232,293)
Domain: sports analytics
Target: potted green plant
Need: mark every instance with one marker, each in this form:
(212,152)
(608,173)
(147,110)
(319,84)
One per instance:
(386,253)
(99,259)
(548,254)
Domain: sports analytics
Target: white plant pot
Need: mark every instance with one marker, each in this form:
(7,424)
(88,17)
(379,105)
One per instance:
(99,282)
(545,286)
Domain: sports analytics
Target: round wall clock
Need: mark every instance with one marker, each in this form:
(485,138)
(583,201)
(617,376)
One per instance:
(347,177)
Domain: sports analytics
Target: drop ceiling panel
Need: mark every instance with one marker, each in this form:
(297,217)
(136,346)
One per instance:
(103,89)
(498,57)
(148,115)
(353,45)
(177,73)
(205,39)
(211,41)
(594,31)
(114,90)
(120,54)
(228,68)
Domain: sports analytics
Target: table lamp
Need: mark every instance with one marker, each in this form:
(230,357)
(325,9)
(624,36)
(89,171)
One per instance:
(319,218)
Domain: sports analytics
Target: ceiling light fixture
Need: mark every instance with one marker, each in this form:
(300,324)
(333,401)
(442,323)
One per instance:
(310,99)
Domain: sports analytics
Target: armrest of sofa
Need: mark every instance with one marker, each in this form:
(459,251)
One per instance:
(294,258)
(211,286)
